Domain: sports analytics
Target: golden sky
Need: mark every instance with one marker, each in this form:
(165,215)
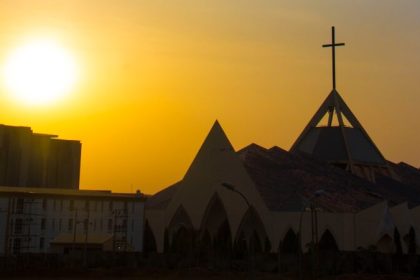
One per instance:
(154,75)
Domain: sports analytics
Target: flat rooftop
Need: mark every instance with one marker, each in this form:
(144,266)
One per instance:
(41,192)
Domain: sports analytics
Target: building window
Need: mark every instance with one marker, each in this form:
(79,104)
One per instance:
(44,204)
(132,225)
(109,225)
(61,205)
(102,225)
(102,206)
(53,224)
(12,224)
(71,205)
(86,224)
(96,206)
(59,225)
(20,203)
(16,245)
(111,206)
(132,207)
(18,226)
(94,225)
(43,223)
(70,226)
(87,205)
(41,243)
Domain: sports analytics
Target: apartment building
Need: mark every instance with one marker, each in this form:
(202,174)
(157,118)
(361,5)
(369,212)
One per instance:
(30,159)
(45,220)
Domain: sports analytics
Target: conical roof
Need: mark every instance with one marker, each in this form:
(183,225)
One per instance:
(344,142)
(215,147)
(215,165)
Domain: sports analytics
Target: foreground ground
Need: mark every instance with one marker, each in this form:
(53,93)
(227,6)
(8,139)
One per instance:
(194,273)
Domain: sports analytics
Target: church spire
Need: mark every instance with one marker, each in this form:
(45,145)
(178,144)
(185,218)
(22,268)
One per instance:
(345,145)
(333,45)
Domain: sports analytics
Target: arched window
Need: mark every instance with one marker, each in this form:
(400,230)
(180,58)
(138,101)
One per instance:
(182,241)
(412,245)
(397,242)
(149,241)
(215,223)
(327,242)
(289,245)
(240,247)
(251,230)
(385,244)
(223,240)
(180,233)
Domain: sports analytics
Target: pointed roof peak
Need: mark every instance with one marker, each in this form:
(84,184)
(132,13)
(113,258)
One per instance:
(334,92)
(216,124)
(213,153)
(216,131)
(334,99)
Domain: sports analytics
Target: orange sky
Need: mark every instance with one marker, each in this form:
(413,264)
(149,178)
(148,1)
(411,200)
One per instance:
(156,74)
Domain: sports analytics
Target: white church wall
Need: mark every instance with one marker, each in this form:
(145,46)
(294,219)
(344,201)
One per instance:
(402,218)
(370,225)
(415,218)
(341,226)
(217,163)
(156,219)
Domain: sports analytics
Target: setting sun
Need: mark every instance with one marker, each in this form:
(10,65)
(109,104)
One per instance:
(40,72)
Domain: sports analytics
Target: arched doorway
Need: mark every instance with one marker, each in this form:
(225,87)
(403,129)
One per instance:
(327,253)
(327,243)
(204,247)
(397,243)
(385,244)
(250,235)
(181,234)
(182,241)
(290,243)
(240,247)
(410,241)
(255,243)
(288,251)
(149,241)
(215,230)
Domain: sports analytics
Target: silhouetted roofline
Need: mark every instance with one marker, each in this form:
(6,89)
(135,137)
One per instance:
(56,192)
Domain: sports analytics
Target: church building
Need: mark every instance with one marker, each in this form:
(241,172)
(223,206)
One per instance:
(334,189)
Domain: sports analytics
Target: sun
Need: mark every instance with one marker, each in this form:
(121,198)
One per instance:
(40,72)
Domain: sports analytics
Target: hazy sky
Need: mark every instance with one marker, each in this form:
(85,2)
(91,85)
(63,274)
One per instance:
(156,74)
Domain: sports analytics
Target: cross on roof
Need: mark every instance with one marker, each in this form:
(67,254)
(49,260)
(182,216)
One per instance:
(333,45)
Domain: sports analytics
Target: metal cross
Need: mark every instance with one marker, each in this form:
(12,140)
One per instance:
(333,45)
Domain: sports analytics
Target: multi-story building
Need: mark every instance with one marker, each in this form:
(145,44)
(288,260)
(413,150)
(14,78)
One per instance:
(45,220)
(30,159)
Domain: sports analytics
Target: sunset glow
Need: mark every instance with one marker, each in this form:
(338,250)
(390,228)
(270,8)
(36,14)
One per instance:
(140,83)
(39,73)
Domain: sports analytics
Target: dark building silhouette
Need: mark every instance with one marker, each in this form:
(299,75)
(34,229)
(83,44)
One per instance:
(30,159)
(256,198)
(345,144)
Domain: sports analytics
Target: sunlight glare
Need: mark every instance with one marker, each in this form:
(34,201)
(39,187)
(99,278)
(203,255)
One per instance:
(40,72)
